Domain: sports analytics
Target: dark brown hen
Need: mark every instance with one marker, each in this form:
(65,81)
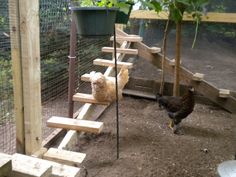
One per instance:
(177,108)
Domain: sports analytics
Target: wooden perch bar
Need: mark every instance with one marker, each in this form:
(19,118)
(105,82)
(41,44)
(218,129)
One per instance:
(130,38)
(120,50)
(111,63)
(75,124)
(87,98)
(64,156)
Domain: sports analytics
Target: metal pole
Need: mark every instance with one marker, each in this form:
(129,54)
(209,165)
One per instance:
(72,58)
(117,102)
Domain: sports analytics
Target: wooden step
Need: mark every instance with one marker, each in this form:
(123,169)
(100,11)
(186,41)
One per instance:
(87,98)
(224,93)
(120,50)
(86,77)
(198,77)
(138,93)
(5,164)
(130,38)
(27,166)
(64,157)
(75,124)
(111,63)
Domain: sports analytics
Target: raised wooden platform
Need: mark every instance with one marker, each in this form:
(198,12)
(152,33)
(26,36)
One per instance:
(75,124)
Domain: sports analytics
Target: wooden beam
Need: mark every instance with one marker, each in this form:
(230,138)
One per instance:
(5,165)
(64,157)
(111,63)
(155,49)
(203,87)
(130,38)
(75,124)
(87,98)
(120,50)
(30,54)
(210,17)
(27,166)
(17,74)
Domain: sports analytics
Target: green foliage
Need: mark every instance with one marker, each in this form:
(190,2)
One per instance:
(176,9)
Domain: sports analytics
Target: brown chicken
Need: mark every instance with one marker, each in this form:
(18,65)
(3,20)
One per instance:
(103,88)
(177,108)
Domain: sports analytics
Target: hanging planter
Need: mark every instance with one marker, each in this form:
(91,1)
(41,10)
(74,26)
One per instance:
(94,21)
(123,14)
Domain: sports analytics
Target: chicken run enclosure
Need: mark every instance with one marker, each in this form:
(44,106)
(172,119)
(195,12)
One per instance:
(36,66)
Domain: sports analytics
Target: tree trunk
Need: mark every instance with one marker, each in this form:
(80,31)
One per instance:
(177,58)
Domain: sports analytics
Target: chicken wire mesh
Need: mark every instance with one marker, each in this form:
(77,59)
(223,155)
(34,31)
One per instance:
(7,121)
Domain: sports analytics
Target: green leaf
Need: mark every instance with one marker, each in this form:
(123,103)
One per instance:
(157,6)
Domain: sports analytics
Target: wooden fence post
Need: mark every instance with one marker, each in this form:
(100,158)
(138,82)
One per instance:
(30,53)
(28,58)
(17,74)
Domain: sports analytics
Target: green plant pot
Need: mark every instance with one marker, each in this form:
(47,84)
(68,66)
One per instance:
(94,21)
(123,17)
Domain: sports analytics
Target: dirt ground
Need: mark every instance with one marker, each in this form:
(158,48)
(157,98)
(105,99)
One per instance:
(148,148)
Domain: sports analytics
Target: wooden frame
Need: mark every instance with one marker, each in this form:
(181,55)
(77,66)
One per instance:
(210,17)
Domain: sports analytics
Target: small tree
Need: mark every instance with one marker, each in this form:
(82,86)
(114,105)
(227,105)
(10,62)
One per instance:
(176,9)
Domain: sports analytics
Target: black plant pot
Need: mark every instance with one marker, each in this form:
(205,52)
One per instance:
(94,21)
(123,17)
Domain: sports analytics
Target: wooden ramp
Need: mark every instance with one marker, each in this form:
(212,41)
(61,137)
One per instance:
(87,98)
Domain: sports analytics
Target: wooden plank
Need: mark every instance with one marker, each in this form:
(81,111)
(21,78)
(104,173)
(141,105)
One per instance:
(27,166)
(60,170)
(139,94)
(111,63)
(64,156)
(130,38)
(5,164)
(75,124)
(17,74)
(87,98)
(203,87)
(155,49)
(40,153)
(198,77)
(120,50)
(30,54)
(210,17)
(224,93)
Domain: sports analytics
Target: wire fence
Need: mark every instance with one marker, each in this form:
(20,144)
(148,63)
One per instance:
(54,47)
